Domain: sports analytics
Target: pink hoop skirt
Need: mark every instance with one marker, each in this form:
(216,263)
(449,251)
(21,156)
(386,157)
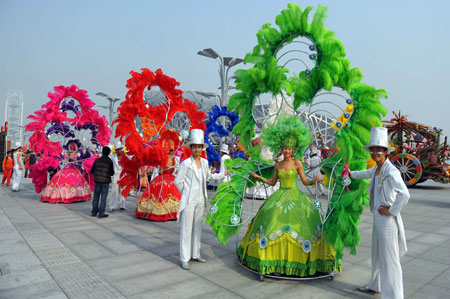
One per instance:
(66,186)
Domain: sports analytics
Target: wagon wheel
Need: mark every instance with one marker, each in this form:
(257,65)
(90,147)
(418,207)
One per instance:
(410,168)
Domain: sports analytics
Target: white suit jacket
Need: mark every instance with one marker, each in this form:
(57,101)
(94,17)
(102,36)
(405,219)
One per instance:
(392,192)
(184,181)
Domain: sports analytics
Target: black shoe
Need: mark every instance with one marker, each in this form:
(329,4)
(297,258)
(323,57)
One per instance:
(103,216)
(122,209)
(94,215)
(365,289)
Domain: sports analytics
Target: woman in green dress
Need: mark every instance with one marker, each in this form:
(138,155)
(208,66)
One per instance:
(285,237)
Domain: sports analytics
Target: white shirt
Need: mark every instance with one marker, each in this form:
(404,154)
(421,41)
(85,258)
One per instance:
(376,202)
(198,180)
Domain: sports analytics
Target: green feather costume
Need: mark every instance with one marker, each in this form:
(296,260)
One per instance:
(332,69)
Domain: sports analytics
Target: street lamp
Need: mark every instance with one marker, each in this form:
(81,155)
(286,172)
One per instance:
(225,63)
(112,101)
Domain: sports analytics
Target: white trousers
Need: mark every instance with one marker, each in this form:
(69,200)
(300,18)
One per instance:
(386,268)
(116,199)
(17,178)
(191,231)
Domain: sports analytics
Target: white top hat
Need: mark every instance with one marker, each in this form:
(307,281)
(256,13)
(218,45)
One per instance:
(118,145)
(18,144)
(313,151)
(224,148)
(378,137)
(197,137)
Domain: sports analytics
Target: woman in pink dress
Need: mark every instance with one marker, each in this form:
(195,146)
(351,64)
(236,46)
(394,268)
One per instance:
(71,183)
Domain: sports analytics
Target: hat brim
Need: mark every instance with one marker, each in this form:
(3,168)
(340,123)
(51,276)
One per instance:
(389,148)
(205,145)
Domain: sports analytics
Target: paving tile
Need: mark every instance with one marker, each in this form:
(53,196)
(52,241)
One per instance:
(9,234)
(185,289)
(412,234)
(18,261)
(445,230)
(217,294)
(49,289)
(416,249)
(72,238)
(420,270)
(74,228)
(24,278)
(362,253)
(91,251)
(142,269)
(13,245)
(432,239)
(431,292)
(438,254)
(147,243)
(120,246)
(443,279)
(124,260)
(99,234)
(153,280)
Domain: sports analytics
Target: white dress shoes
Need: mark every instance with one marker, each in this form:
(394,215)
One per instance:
(185,265)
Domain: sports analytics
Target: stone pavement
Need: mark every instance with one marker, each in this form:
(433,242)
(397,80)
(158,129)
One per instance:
(60,251)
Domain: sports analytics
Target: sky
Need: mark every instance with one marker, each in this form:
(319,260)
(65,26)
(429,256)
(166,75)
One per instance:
(401,46)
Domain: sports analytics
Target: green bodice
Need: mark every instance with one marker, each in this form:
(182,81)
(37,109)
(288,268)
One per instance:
(288,178)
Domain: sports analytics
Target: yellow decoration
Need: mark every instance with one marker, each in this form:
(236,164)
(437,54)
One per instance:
(370,163)
(342,119)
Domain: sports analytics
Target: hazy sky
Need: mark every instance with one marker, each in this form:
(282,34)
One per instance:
(401,46)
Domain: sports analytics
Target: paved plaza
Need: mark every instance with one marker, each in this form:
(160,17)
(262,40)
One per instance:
(60,251)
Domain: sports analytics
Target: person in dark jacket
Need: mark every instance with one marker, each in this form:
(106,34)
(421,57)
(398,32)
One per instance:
(103,170)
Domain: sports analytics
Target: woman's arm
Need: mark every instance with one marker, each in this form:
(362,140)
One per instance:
(301,173)
(270,182)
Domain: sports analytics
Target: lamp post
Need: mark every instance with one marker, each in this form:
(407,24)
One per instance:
(225,63)
(112,101)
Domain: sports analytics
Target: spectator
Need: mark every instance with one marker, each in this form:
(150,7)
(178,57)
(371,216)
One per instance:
(8,165)
(103,170)
(18,167)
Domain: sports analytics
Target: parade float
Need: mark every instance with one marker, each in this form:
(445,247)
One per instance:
(66,132)
(325,78)
(153,121)
(419,154)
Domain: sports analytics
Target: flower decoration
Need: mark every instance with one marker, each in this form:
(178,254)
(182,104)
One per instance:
(235,219)
(213,209)
(306,246)
(317,204)
(287,228)
(263,242)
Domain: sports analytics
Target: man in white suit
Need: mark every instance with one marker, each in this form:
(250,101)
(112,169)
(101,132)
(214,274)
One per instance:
(388,194)
(116,200)
(224,155)
(191,180)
